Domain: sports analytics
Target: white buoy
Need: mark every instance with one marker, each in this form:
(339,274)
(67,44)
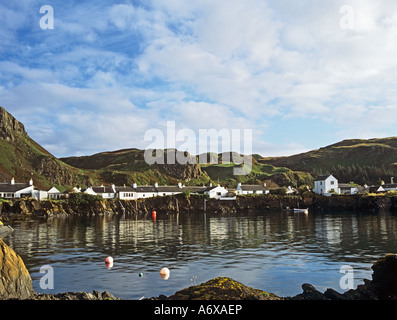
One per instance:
(165,273)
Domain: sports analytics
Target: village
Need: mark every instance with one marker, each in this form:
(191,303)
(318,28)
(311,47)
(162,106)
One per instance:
(326,185)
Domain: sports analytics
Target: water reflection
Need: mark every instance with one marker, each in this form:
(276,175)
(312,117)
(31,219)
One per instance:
(274,251)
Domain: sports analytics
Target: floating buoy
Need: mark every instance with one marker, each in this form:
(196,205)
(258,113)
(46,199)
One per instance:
(140,275)
(165,273)
(109,260)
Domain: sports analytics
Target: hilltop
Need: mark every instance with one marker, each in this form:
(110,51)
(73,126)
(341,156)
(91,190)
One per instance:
(358,160)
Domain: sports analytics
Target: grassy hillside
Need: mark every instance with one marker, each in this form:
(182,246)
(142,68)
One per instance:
(362,161)
(128,166)
(23,159)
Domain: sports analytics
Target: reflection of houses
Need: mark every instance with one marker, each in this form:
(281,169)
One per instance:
(16,190)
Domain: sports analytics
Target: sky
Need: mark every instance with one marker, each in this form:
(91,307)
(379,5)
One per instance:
(299,75)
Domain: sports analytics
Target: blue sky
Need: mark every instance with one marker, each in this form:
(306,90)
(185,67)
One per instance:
(109,71)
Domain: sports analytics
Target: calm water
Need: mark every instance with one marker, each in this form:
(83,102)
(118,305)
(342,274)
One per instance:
(272,251)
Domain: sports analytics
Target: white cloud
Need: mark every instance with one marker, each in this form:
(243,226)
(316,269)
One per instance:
(206,64)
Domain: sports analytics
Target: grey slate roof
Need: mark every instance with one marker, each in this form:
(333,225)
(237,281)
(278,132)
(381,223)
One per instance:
(254,187)
(8,187)
(105,189)
(323,177)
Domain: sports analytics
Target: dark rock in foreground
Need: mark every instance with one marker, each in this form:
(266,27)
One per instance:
(95,295)
(382,287)
(222,288)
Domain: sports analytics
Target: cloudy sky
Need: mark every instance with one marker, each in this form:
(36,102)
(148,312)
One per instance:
(300,74)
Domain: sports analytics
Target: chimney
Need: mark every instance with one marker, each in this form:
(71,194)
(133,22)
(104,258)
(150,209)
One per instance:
(134,185)
(12,181)
(210,184)
(156,185)
(392,180)
(31,182)
(180,184)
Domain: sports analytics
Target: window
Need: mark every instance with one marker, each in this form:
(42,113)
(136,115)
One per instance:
(332,182)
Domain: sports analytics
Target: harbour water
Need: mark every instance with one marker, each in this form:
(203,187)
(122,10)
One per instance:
(273,251)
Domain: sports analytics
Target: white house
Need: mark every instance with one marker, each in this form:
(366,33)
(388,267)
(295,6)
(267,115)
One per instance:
(106,192)
(16,190)
(326,185)
(125,193)
(54,193)
(345,188)
(389,186)
(251,189)
(217,192)
(376,189)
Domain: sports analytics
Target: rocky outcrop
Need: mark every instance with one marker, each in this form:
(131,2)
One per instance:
(383,285)
(222,288)
(9,126)
(15,281)
(95,295)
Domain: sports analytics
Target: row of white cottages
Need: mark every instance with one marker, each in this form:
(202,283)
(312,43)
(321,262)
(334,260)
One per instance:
(21,190)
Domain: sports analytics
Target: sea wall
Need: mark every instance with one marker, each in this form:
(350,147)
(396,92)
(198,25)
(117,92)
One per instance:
(20,208)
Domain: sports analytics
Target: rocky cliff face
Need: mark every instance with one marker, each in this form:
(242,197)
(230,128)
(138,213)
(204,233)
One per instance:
(9,126)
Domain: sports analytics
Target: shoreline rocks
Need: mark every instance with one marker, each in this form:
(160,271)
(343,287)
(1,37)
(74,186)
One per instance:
(31,208)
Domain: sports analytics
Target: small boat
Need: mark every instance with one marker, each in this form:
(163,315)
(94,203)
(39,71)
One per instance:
(301,210)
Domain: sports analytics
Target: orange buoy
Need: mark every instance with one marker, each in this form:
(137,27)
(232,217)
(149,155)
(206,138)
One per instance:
(109,260)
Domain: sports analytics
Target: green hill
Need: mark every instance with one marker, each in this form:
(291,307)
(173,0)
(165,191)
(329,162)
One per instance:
(128,166)
(23,158)
(361,161)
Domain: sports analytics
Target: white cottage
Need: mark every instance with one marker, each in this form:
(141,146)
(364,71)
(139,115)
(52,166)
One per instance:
(54,193)
(251,189)
(16,190)
(106,192)
(217,192)
(346,188)
(326,185)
